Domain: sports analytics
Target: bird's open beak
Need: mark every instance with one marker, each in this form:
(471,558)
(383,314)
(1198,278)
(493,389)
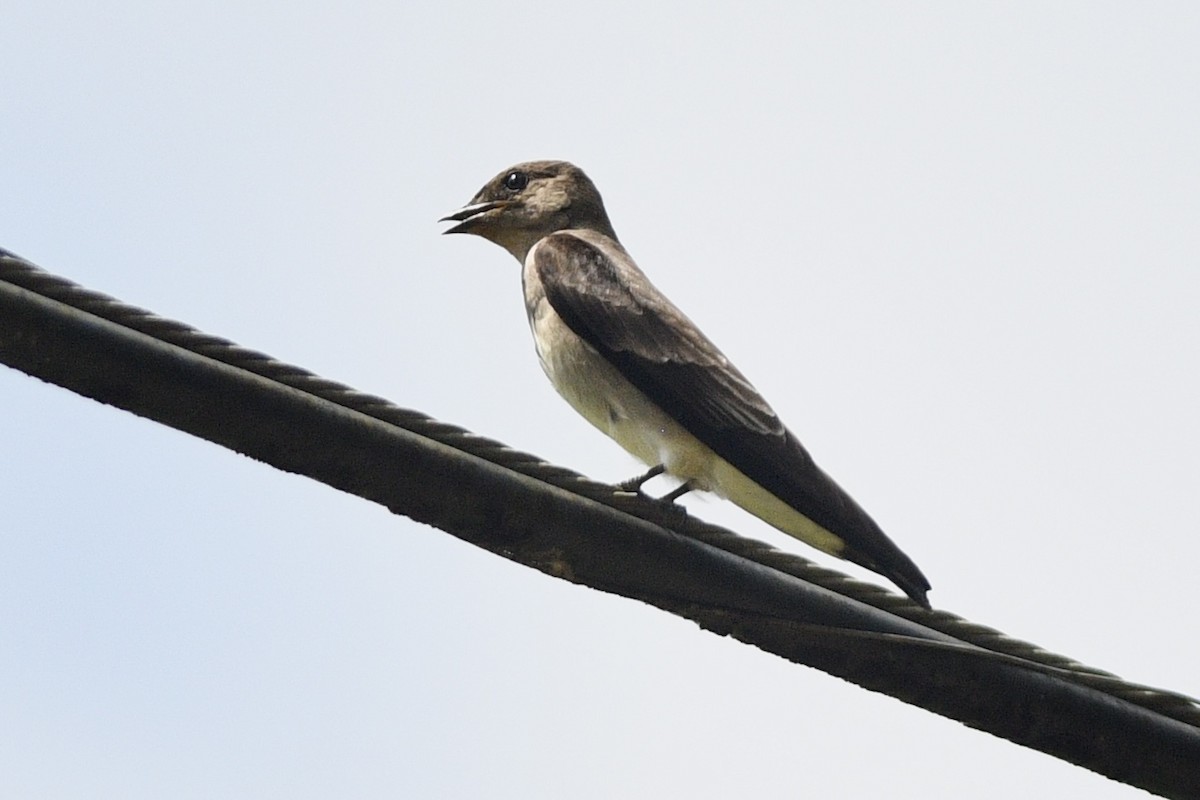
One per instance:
(469,217)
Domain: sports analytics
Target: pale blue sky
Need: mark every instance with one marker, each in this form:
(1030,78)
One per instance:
(954,244)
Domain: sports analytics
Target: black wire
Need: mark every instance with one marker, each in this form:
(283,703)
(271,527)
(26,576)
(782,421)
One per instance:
(548,517)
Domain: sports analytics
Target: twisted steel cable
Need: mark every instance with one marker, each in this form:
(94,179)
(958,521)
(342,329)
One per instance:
(971,638)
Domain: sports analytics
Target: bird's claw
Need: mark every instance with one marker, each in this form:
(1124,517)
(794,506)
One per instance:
(634,485)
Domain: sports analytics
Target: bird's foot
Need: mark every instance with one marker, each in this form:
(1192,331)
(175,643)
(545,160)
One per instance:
(671,511)
(676,493)
(634,485)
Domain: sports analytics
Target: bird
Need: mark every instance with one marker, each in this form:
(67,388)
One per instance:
(632,364)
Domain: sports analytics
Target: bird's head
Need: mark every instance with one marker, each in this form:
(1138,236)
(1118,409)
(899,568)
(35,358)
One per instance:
(530,201)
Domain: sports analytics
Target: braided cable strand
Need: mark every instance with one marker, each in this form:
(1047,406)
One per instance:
(25,275)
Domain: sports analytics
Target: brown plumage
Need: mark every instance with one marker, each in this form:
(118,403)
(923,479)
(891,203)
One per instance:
(637,368)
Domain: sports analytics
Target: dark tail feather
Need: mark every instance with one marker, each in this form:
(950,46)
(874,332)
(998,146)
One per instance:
(899,569)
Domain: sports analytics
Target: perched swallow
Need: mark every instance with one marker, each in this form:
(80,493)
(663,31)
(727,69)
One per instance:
(639,370)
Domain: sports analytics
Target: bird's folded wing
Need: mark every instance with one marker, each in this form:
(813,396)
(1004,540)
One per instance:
(593,284)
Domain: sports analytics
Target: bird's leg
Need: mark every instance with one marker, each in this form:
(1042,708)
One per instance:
(635,484)
(676,493)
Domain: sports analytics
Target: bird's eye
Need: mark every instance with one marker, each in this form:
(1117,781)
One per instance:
(516,181)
